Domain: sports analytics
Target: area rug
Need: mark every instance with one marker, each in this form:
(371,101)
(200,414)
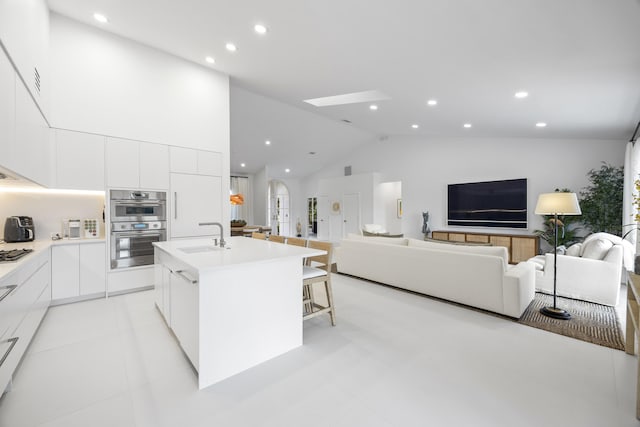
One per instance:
(594,323)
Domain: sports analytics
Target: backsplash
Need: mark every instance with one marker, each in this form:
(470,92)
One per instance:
(49,209)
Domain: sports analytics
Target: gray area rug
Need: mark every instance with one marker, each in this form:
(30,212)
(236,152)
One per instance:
(594,323)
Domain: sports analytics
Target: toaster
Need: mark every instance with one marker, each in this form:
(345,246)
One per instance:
(18,229)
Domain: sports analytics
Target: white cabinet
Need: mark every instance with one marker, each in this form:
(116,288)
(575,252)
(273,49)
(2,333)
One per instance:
(24,31)
(123,158)
(135,164)
(196,162)
(162,285)
(24,298)
(195,199)
(154,166)
(7,108)
(79,160)
(184,311)
(65,271)
(78,270)
(31,155)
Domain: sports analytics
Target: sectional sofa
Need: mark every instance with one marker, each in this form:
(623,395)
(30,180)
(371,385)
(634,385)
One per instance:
(478,276)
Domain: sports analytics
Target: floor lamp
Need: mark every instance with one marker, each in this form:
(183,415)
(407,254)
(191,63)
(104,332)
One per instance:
(557,204)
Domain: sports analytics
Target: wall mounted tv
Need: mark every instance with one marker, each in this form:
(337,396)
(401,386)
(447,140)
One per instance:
(488,204)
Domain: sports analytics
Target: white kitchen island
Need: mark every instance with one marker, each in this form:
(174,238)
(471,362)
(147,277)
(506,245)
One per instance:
(231,308)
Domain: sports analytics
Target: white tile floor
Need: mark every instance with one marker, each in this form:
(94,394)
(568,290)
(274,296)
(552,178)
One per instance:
(394,359)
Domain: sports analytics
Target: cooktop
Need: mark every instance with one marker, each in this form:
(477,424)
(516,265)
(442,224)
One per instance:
(13,254)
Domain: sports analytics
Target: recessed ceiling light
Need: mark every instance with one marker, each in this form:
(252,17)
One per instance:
(521,94)
(467,125)
(267,142)
(100,18)
(260,29)
(432,102)
(415,126)
(287,170)
(541,124)
(242,165)
(373,107)
(210,60)
(231,47)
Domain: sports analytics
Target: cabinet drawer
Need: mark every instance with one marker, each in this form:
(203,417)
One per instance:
(477,238)
(19,299)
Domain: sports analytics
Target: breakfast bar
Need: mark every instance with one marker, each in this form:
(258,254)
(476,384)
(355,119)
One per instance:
(230,308)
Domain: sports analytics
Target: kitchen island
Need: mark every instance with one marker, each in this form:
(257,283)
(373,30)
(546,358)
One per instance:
(230,308)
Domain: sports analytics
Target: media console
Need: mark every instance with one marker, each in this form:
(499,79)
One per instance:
(521,247)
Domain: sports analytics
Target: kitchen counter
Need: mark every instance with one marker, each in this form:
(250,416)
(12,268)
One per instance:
(238,251)
(231,309)
(38,246)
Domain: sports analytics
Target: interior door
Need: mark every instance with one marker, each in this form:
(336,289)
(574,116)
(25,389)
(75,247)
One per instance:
(350,214)
(323,217)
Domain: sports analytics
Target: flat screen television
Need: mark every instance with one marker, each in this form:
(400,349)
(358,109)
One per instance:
(488,204)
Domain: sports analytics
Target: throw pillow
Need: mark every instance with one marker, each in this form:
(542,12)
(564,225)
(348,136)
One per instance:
(574,250)
(596,248)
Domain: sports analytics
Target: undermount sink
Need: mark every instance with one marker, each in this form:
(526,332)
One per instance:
(200,249)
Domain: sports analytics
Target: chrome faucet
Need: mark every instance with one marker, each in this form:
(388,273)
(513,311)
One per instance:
(222,242)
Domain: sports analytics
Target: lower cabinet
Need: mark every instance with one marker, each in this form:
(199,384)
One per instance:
(25,295)
(78,270)
(177,299)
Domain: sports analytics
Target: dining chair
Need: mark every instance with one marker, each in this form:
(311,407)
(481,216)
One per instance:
(296,241)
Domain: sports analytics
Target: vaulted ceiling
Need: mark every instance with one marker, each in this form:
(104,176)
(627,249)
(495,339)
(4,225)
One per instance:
(578,60)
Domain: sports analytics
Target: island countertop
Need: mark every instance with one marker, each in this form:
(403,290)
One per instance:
(201,254)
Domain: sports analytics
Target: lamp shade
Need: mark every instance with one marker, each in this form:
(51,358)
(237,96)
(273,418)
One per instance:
(558,203)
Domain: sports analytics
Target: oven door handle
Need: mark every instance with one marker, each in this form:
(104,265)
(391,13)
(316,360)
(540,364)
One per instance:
(119,234)
(137,203)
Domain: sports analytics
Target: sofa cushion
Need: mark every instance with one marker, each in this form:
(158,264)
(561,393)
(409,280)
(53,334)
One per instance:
(574,250)
(378,239)
(499,251)
(596,248)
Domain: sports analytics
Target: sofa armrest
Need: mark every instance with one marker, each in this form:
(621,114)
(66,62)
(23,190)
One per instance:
(518,288)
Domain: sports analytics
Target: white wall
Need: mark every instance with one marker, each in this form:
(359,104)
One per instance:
(49,209)
(109,85)
(260,187)
(426,165)
(387,215)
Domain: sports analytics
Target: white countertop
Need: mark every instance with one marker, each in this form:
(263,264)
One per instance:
(239,250)
(38,246)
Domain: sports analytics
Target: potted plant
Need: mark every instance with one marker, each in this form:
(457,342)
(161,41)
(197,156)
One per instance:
(601,202)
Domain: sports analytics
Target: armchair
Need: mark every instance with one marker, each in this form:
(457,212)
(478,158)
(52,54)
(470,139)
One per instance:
(591,272)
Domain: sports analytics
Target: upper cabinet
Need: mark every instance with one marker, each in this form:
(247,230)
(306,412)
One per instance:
(24,32)
(79,160)
(31,155)
(135,164)
(7,108)
(195,162)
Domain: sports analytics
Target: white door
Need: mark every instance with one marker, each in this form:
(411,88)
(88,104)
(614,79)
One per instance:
(195,199)
(350,214)
(323,217)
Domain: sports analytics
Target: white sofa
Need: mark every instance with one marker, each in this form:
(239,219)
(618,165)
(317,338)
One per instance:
(478,276)
(589,271)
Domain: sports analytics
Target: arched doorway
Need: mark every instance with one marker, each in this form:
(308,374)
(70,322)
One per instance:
(279,208)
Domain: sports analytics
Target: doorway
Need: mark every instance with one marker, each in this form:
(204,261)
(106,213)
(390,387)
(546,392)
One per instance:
(279,208)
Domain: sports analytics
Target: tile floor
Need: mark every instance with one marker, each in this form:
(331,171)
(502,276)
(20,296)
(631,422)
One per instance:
(394,359)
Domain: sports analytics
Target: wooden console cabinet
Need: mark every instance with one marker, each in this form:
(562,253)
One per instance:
(521,247)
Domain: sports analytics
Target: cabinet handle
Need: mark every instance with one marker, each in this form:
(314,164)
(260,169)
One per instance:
(6,354)
(9,289)
(182,274)
(175,205)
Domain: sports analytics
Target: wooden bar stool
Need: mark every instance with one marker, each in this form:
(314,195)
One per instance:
(260,236)
(275,238)
(318,270)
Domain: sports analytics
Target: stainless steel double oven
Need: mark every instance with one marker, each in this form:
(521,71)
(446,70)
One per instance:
(138,218)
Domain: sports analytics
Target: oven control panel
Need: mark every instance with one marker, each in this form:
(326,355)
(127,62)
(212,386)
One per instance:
(138,226)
